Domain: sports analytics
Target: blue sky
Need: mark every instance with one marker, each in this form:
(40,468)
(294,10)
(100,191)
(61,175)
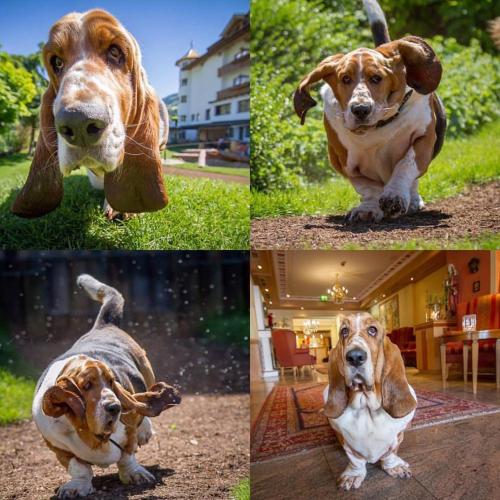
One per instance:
(163,28)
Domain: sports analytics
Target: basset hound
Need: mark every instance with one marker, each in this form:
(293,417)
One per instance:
(99,112)
(92,404)
(369,402)
(383,121)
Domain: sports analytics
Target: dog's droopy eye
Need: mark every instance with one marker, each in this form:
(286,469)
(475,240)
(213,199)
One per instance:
(87,386)
(375,79)
(346,79)
(115,55)
(57,64)
(372,331)
(344,331)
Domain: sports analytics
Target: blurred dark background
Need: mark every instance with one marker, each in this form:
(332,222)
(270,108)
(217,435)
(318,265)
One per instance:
(189,310)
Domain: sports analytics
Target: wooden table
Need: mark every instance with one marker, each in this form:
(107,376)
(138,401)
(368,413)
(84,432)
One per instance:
(474,336)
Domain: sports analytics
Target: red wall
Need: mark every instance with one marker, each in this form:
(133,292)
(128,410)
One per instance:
(460,259)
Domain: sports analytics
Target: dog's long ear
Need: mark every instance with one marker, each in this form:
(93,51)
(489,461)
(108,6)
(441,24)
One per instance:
(336,401)
(62,398)
(43,190)
(302,100)
(397,399)
(423,68)
(137,186)
(160,397)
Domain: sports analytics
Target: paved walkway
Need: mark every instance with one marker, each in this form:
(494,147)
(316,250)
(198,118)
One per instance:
(172,170)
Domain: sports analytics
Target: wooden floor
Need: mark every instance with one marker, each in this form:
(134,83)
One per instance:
(459,460)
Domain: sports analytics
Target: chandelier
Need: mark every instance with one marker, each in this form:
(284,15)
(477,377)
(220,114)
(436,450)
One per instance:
(310,326)
(338,292)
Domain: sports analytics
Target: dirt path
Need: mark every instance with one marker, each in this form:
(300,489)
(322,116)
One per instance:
(469,214)
(201,451)
(186,172)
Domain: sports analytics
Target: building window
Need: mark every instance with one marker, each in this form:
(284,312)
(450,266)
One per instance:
(184,82)
(223,109)
(192,118)
(240,80)
(244,106)
(207,114)
(183,118)
(197,117)
(184,98)
(242,53)
(247,132)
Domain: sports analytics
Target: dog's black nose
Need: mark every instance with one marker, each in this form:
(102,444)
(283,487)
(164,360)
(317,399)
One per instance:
(356,357)
(361,111)
(82,126)
(113,408)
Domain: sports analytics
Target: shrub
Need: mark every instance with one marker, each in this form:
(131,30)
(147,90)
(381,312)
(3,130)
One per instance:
(289,37)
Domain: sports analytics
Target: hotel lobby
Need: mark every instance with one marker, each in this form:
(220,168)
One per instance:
(441,308)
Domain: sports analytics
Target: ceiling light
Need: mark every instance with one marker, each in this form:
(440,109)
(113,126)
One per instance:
(301,308)
(270,302)
(338,292)
(383,295)
(266,289)
(354,298)
(411,279)
(341,308)
(287,295)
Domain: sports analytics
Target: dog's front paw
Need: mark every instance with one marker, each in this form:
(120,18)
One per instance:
(416,204)
(144,432)
(347,483)
(136,475)
(402,471)
(366,212)
(394,204)
(75,488)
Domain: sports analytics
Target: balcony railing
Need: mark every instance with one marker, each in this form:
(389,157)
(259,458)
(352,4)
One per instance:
(234,91)
(233,65)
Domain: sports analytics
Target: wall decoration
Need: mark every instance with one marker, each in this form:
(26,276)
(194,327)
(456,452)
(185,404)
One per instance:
(473,265)
(389,313)
(450,285)
(476,286)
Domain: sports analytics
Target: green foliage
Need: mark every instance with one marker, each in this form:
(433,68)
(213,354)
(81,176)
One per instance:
(17,394)
(289,38)
(470,87)
(459,19)
(201,214)
(17,90)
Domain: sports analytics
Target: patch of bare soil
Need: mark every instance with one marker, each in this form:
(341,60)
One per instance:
(469,214)
(201,450)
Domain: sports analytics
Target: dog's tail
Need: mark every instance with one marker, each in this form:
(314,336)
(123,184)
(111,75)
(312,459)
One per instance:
(378,24)
(112,301)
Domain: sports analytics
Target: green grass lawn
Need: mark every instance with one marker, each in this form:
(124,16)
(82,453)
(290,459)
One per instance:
(240,171)
(17,395)
(461,162)
(242,490)
(201,214)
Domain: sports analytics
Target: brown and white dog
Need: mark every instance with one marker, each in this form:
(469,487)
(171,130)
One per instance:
(368,401)
(92,404)
(99,112)
(383,121)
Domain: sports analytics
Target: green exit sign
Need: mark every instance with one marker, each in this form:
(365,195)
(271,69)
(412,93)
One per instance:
(323,298)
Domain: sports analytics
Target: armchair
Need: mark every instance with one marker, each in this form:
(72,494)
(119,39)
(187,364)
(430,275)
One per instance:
(287,353)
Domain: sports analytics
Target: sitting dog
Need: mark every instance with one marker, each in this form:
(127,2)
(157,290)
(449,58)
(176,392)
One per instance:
(99,112)
(383,121)
(92,404)
(368,401)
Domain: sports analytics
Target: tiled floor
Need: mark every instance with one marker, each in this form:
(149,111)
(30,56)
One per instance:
(449,461)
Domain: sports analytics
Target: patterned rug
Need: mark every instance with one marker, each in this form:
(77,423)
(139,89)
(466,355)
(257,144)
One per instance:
(289,421)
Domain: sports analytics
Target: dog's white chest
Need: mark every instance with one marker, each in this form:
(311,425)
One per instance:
(369,431)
